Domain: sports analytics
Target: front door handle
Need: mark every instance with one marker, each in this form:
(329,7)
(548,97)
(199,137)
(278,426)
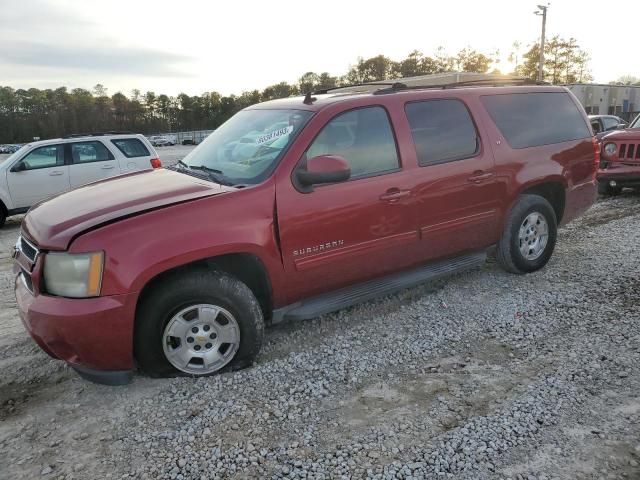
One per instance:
(55,173)
(480,176)
(107,167)
(394,194)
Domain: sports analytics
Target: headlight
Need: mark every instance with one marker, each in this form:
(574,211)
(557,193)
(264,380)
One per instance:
(610,149)
(73,275)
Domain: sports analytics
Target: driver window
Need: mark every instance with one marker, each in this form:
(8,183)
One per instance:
(44,157)
(363,137)
(610,123)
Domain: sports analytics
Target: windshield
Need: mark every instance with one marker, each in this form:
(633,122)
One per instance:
(248,146)
(635,123)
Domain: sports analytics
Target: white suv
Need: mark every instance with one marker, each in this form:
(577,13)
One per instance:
(42,169)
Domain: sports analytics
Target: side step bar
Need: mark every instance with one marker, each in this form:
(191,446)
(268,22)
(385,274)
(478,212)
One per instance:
(363,292)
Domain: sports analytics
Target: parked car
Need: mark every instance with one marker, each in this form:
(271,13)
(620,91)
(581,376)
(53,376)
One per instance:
(40,170)
(9,148)
(161,141)
(358,195)
(620,165)
(603,124)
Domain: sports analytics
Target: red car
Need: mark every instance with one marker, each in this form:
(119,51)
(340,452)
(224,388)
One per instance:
(620,165)
(295,208)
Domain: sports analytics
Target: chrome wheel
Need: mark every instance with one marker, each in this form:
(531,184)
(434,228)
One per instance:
(201,339)
(533,236)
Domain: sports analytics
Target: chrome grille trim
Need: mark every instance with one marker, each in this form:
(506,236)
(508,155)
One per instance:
(28,249)
(26,280)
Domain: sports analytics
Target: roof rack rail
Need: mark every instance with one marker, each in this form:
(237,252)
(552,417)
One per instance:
(96,134)
(327,90)
(441,81)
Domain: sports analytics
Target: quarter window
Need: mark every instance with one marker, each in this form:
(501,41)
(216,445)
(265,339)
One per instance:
(85,152)
(442,131)
(44,157)
(131,147)
(363,137)
(532,119)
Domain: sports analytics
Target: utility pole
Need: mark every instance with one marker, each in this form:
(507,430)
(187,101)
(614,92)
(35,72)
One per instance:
(542,12)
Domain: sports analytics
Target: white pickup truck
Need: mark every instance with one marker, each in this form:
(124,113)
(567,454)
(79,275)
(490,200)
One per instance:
(40,170)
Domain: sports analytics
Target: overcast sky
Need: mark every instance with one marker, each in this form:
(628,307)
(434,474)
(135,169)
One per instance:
(194,46)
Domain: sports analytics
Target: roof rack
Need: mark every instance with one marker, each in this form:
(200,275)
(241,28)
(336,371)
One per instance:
(441,81)
(96,134)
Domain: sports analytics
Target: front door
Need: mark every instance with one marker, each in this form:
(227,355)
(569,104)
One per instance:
(346,232)
(91,161)
(38,175)
(457,196)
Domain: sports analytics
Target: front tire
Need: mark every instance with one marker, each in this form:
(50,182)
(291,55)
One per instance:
(529,236)
(197,323)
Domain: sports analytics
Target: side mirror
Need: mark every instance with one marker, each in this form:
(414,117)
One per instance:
(323,169)
(19,167)
(622,126)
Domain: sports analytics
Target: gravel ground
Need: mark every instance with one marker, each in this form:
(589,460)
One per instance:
(483,375)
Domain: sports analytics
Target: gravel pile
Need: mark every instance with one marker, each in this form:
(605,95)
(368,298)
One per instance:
(481,376)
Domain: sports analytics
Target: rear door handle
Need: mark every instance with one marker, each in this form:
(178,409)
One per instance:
(394,194)
(107,167)
(55,173)
(480,176)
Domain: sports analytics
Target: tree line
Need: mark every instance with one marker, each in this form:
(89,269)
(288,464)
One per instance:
(50,113)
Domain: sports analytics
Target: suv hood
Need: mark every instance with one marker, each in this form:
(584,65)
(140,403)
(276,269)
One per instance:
(622,135)
(54,223)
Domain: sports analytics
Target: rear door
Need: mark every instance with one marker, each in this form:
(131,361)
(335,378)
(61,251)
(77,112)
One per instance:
(90,161)
(38,175)
(457,198)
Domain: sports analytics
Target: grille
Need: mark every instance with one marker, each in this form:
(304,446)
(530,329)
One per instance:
(629,151)
(26,279)
(29,250)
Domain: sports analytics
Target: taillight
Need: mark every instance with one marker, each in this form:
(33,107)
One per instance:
(596,155)
(156,163)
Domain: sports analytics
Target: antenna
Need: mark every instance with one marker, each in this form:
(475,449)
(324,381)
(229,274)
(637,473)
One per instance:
(308,99)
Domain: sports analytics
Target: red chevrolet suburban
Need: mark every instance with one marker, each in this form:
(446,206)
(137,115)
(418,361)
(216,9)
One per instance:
(620,164)
(294,208)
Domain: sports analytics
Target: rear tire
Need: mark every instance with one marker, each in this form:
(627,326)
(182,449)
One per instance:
(223,325)
(3,217)
(606,189)
(529,235)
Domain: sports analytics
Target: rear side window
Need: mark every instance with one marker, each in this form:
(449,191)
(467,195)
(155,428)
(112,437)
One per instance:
(442,131)
(363,137)
(86,152)
(131,147)
(532,119)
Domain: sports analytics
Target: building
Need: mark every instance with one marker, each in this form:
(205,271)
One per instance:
(605,99)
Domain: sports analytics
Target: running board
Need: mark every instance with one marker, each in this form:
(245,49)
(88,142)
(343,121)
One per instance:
(363,292)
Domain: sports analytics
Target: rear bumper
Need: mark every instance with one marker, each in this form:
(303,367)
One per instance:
(93,335)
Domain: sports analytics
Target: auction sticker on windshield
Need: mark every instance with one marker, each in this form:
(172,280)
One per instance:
(281,132)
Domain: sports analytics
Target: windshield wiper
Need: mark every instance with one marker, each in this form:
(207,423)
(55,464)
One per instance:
(214,174)
(182,164)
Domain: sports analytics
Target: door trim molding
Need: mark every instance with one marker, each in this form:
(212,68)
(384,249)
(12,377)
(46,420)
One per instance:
(459,222)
